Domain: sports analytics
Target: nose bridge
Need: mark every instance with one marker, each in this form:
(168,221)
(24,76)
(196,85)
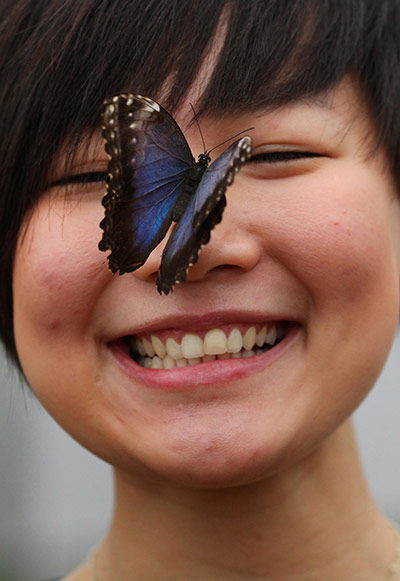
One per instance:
(232,243)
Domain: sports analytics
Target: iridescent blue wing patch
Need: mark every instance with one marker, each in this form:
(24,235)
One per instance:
(149,161)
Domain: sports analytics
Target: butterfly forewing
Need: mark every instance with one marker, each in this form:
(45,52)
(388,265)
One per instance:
(149,161)
(203,213)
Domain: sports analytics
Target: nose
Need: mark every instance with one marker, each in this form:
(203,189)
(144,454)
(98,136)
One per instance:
(232,247)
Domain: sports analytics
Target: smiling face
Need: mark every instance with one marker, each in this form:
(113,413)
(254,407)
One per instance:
(308,247)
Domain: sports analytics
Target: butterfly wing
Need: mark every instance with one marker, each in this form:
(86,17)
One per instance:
(204,211)
(149,160)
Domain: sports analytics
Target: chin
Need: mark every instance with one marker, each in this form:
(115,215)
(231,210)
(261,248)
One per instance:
(237,459)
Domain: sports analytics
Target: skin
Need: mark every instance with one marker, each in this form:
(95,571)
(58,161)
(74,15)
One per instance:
(256,477)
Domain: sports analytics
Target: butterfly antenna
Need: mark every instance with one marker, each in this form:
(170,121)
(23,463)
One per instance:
(198,125)
(229,139)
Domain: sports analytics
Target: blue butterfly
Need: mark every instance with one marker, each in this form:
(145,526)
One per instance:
(154,181)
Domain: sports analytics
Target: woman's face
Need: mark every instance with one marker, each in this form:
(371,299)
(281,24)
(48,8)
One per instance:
(311,242)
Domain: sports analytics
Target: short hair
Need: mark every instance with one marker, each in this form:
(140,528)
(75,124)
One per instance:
(60,58)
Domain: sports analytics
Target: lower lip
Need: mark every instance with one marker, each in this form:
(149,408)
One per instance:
(212,372)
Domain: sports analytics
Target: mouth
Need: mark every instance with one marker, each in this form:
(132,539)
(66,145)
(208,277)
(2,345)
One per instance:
(169,349)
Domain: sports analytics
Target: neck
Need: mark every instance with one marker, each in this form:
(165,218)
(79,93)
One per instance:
(315,520)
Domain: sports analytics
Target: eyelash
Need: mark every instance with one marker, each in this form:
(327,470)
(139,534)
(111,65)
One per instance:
(279,156)
(82,178)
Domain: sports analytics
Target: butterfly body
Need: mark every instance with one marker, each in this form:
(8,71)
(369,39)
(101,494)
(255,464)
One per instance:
(190,186)
(154,181)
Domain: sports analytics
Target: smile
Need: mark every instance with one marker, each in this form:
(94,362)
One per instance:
(211,349)
(176,349)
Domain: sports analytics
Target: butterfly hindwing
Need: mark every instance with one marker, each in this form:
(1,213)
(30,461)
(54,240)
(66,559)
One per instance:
(202,214)
(149,161)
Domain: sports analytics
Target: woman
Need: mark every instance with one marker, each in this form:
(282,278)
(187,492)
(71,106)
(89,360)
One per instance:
(244,466)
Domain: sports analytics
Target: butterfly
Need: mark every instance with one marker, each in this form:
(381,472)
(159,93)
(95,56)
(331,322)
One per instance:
(154,181)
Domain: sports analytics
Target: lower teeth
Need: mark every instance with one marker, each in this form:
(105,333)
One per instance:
(169,363)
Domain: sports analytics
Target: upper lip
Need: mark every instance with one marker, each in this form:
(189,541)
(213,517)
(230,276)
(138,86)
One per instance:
(209,320)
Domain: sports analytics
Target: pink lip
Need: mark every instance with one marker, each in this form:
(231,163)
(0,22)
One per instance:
(213,372)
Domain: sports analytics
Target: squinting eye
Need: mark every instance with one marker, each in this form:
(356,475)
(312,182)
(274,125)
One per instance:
(81,178)
(281,156)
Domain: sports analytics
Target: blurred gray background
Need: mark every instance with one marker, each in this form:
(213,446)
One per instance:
(56,498)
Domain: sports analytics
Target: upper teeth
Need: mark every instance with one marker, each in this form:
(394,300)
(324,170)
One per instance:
(194,349)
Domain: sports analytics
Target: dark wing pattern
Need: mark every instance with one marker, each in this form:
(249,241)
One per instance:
(149,161)
(203,212)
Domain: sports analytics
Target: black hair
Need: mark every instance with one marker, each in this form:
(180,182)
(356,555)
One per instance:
(60,58)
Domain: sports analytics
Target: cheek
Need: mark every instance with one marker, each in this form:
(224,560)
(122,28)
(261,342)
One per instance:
(58,270)
(338,253)
(337,238)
